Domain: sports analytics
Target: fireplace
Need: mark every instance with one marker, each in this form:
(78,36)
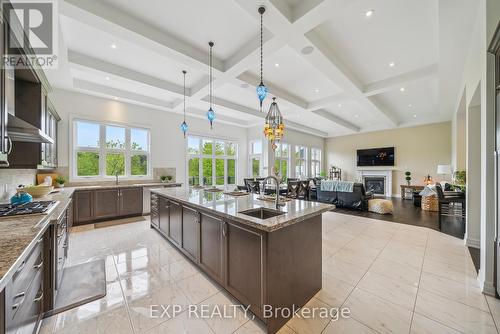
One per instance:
(375,184)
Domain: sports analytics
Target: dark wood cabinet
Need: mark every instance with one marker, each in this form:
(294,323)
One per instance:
(175,223)
(154,206)
(83,206)
(190,233)
(212,246)
(106,203)
(164,215)
(244,264)
(130,201)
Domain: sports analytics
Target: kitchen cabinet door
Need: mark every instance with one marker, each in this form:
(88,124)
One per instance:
(175,228)
(212,246)
(83,206)
(164,212)
(245,264)
(106,203)
(131,201)
(190,232)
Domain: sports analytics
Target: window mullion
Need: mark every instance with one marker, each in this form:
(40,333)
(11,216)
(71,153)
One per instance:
(102,153)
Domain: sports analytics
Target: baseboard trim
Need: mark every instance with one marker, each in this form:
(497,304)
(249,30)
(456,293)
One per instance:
(473,243)
(488,288)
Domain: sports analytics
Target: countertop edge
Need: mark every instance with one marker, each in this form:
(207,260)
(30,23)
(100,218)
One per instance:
(249,222)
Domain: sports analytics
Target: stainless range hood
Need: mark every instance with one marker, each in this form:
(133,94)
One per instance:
(19,130)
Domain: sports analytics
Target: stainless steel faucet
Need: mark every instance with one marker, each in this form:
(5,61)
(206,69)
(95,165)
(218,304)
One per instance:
(278,204)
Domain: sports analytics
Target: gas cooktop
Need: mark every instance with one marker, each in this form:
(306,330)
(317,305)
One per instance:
(42,207)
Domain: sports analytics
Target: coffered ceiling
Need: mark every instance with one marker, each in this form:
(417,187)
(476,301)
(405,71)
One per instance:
(336,66)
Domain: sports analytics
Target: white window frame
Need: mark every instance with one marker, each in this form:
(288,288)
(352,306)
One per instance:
(316,161)
(102,150)
(283,158)
(253,155)
(300,161)
(214,157)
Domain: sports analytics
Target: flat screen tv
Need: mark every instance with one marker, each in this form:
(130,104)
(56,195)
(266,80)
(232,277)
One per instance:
(376,157)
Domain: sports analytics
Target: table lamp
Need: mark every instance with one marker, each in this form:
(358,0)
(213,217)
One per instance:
(443,170)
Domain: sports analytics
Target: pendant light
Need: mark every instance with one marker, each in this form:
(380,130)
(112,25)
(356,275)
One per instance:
(184,126)
(211,112)
(261,88)
(274,129)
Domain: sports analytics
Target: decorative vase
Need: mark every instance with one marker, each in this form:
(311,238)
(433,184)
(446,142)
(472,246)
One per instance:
(408,182)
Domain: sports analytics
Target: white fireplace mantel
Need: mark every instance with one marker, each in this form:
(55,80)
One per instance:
(385,173)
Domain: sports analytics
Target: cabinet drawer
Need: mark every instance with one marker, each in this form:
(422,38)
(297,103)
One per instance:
(23,277)
(29,309)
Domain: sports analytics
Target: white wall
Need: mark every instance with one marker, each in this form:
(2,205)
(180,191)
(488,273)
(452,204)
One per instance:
(167,142)
(473,207)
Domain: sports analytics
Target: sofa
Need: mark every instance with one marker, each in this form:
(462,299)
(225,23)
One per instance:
(357,199)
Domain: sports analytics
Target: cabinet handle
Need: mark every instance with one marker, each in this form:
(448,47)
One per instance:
(224,230)
(38,266)
(65,245)
(21,267)
(37,299)
(20,294)
(39,240)
(16,305)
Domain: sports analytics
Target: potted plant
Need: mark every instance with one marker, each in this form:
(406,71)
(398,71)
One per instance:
(408,177)
(60,181)
(166,178)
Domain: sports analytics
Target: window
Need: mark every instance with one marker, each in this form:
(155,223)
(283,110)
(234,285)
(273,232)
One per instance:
(211,162)
(105,150)
(282,159)
(255,158)
(300,161)
(315,162)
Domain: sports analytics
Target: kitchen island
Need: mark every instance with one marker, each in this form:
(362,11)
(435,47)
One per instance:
(267,259)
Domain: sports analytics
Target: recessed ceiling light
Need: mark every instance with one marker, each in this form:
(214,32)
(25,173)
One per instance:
(410,105)
(357,116)
(115,98)
(340,105)
(392,64)
(113,46)
(369,13)
(107,78)
(316,90)
(277,65)
(402,89)
(415,116)
(307,50)
(244,85)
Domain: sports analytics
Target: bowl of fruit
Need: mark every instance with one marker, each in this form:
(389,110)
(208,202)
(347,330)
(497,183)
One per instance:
(37,191)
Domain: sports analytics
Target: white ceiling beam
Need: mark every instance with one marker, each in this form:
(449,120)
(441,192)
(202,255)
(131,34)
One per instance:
(121,94)
(99,15)
(324,59)
(399,81)
(109,92)
(326,115)
(328,101)
(85,61)
(262,115)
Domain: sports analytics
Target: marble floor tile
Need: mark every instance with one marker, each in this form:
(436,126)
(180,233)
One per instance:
(344,271)
(454,290)
(310,324)
(197,288)
(182,324)
(453,314)
(389,289)
(334,291)
(377,313)
(397,271)
(347,326)
(423,325)
(494,305)
(221,324)
(460,274)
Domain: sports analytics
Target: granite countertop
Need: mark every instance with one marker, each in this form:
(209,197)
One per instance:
(230,207)
(19,234)
(124,185)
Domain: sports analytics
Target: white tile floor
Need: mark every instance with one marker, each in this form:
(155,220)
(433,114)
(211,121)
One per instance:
(394,279)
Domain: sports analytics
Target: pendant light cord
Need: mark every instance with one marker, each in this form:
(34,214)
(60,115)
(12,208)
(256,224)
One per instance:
(261,48)
(211,46)
(184,72)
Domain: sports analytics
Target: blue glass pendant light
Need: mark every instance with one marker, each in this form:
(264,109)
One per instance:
(184,126)
(211,112)
(261,88)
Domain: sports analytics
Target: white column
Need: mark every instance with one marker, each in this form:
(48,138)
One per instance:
(473,204)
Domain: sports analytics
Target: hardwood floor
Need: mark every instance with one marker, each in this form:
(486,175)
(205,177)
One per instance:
(406,213)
